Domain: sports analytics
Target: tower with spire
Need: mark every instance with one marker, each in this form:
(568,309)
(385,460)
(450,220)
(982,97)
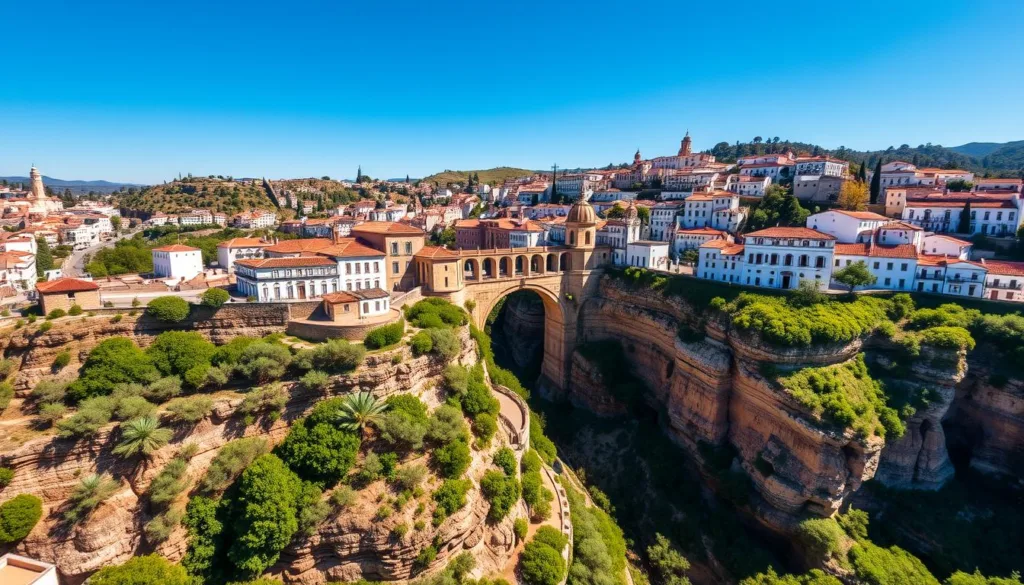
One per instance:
(686,146)
(41,204)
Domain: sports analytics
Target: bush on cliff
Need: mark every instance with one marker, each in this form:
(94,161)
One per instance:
(405,423)
(956,338)
(875,565)
(319,452)
(845,395)
(599,547)
(230,461)
(385,335)
(335,356)
(450,498)
(264,514)
(540,564)
(114,361)
(667,562)
(18,516)
(427,312)
(501,491)
(263,362)
(169,309)
(145,570)
(214,297)
(174,353)
(814,577)
(780,323)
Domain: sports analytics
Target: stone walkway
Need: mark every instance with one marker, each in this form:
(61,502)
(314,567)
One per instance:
(511,411)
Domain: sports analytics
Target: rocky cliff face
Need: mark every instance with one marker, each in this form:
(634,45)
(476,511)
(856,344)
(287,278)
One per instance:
(712,391)
(522,331)
(349,546)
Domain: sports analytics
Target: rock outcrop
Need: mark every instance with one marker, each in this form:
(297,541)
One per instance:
(349,546)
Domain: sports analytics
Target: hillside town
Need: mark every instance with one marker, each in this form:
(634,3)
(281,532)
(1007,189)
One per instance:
(685,213)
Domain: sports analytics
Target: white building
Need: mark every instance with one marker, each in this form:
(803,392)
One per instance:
(747,186)
(950,276)
(690,180)
(283,279)
(893,266)
(527,234)
(721,261)
(255,219)
(821,165)
(900,174)
(18,270)
(573,185)
(692,238)
(987,216)
(177,261)
(647,254)
(1004,281)
(19,570)
(663,219)
(359,267)
(780,257)
(611,196)
(774,170)
(847,226)
(719,210)
(239,249)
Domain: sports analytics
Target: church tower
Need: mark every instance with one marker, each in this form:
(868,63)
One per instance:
(581,233)
(686,147)
(41,204)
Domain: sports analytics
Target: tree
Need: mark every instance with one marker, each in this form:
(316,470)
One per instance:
(142,436)
(854,275)
(44,257)
(145,570)
(114,361)
(319,452)
(115,222)
(264,514)
(876,182)
(964,227)
(539,564)
(174,353)
(215,297)
(169,309)
(853,196)
(959,185)
(18,516)
(669,564)
(360,411)
(862,173)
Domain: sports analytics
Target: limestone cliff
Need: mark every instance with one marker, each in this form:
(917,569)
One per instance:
(348,546)
(712,391)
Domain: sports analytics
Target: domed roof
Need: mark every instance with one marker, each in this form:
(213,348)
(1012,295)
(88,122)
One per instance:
(582,212)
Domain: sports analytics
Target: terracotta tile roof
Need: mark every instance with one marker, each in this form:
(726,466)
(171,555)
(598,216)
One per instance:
(907,251)
(390,228)
(243,243)
(66,285)
(339,297)
(176,248)
(975,204)
(700,198)
(704,231)
(436,252)
(350,248)
(862,215)
(1004,267)
(296,262)
(800,233)
(951,239)
(901,225)
(298,246)
(727,247)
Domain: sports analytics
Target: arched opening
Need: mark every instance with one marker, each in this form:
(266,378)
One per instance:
(488,268)
(526,326)
(552,263)
(537,265)
(505,267)
(572,238)
(469,270)
(587,237)
(565,262)
(520,265)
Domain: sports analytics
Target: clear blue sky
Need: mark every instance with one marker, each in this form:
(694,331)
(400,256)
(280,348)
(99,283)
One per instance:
(139,91)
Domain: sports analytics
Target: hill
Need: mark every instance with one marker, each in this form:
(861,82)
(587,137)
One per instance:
(493,176)
(977,149)
(1006,160)
(76,186)
(216,195)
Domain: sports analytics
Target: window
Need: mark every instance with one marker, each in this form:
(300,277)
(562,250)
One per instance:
(903,267)
(376,305)
(394,248)
(875,265)
(888,266)
(408,248)
(394,266)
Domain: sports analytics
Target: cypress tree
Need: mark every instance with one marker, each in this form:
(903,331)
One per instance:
(876,182)
(965,219)
(44,257)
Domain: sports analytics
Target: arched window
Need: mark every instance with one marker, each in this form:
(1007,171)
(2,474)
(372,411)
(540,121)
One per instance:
(588,237)
(819,262)
(572,238)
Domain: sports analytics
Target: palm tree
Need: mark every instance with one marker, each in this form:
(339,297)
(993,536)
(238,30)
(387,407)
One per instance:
(142,435)
(361,410)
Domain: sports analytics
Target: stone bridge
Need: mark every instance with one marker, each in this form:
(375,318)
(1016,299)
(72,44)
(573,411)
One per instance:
(562,276)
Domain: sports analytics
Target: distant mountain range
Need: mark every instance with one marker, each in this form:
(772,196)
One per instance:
(76,186)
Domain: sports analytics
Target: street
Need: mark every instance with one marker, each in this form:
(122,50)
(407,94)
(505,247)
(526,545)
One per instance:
(74,264)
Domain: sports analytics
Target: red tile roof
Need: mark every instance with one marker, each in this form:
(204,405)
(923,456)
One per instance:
(176,248)
(390,228)
(339,297)
(349,248)
(800,233)
(1004,268)
(901,225)
(704,231)
(862,215)
(907,251)
(243,243)
(66,285)
(299,246)
(296,262)
(436,252)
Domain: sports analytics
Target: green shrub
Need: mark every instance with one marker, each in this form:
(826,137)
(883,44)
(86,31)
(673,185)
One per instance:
(49,391)
(479,398)
(18,516)
(539,564)
(315,381)
(456,379)
(6,395)
(385,335)
(231,352)
(520,527)
(425,557)
(92,415)
(421,343)
(266,401)
(411,476)
(343,497)
(45,327)
(191,409)
(855,523)
(145,570)
(444,343)
(505,458)
(667,562)
(177,352)
(822,537)
(312,509)
(948,338)
(874,565)
(230,461)
(446,424)
(168,484)
(56,314)
(169,309)
(452,460)
(75,311)
(214,297)
(814,577)
(551,537)
(599,547)
(484,427)
(61,360)
(501,491)
(319,452)
(334,356)
(92,491)
(6,476)
(405,423)
(263,362)
(161,526)
(833,322)
(116,318)
(266,518)
(113,361)
(450,498)
(449,314)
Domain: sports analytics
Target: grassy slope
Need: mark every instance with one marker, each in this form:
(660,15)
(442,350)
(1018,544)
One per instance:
(492,176)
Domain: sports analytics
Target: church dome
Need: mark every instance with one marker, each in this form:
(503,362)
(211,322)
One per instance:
(582,212)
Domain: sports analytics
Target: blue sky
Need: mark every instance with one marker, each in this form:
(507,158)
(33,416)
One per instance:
(140,91)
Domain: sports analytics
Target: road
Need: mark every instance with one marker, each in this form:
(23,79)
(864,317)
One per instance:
(74,264)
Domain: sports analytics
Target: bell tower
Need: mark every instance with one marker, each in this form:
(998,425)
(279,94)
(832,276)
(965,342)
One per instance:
(686,146)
